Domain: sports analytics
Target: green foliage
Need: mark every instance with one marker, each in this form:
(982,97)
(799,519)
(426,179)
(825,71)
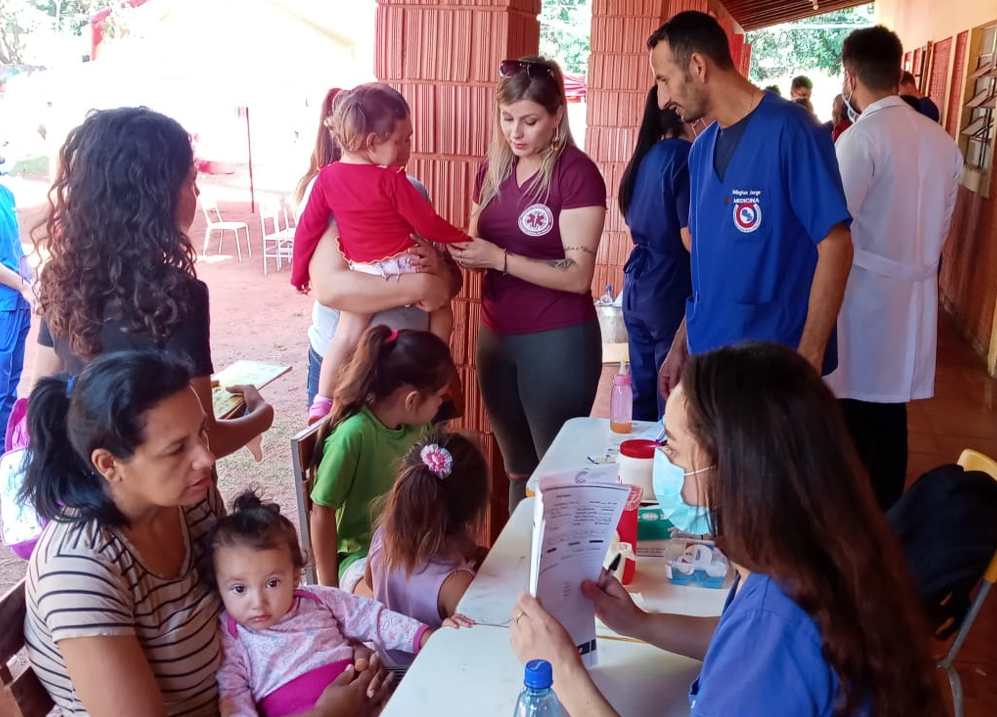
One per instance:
(564,33)
(806,45)
(70,16)
(18,19)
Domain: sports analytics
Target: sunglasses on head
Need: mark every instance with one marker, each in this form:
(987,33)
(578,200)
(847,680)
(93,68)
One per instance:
(509,68)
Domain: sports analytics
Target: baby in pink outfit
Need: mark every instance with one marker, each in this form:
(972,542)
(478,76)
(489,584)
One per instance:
(283,645)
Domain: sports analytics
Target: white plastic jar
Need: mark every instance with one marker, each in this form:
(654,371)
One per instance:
(636,464)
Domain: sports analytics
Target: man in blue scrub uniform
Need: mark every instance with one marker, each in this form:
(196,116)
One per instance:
(15,305)
(771,247)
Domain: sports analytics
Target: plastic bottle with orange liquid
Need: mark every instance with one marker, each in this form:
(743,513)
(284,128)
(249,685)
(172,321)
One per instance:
(621,401)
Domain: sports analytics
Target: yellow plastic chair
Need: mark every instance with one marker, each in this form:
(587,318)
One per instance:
(970,460)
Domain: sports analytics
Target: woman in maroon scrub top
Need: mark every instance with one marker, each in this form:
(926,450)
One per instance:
(539,209)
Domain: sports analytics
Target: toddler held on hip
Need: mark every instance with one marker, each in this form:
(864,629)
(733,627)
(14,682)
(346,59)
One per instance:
(376,210)
(284,645)
(423,554)
(386,398)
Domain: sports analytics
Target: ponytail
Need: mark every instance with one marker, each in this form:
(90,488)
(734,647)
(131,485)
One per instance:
(70,418)
(57,475)
(437,504)
(386,360)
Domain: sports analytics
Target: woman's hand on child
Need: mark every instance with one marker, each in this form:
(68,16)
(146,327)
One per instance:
(425,258)
(477,254)
(356,694)
(458,621)
(361,656)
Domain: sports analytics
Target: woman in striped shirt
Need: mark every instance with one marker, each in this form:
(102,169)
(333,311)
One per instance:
(119,619)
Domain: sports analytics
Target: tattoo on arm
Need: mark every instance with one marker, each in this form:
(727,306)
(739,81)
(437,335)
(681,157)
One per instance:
(561,263)
(587,250)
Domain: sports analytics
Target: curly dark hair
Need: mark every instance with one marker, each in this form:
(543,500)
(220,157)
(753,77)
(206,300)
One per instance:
(790,499)
(115,250)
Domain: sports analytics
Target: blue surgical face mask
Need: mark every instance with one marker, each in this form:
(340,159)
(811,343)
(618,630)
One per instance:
(667,481)
(853,114)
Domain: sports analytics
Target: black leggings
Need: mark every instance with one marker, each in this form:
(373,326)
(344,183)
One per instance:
(531,384)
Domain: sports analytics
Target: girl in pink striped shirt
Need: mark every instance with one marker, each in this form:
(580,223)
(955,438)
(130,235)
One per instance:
(283,645)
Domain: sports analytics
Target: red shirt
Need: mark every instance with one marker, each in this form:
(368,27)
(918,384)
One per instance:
(839,129)
(376,210)
(530,227)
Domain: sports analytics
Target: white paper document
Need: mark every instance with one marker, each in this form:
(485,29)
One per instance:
(573,526)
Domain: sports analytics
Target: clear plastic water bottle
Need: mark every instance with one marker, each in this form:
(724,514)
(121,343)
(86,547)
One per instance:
(621,401)
(607,297)
(537,698)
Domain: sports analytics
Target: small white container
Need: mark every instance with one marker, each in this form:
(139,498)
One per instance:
(636,464)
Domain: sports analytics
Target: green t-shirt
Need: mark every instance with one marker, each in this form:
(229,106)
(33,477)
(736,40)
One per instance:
(359,463)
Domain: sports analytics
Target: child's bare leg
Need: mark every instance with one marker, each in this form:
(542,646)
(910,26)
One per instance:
(344,342)
(441,322)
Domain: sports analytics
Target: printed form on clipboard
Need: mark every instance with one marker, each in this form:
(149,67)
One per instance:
(574,521)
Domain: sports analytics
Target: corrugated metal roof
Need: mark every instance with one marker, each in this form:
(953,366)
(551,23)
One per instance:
(756,14)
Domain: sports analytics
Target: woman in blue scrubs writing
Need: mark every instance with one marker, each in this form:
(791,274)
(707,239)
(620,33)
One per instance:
(654,200)
(821,620)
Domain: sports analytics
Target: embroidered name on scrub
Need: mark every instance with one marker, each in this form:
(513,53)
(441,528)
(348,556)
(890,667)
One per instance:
(536,220)
(747,210)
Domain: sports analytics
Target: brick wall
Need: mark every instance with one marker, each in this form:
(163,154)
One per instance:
(968,281)
(938,82)
(953,114)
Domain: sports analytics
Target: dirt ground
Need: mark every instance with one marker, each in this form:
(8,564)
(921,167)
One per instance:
(252,317)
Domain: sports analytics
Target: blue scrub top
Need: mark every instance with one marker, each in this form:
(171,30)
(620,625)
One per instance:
(658,273)
(11,254)
(755,234)
(765,658)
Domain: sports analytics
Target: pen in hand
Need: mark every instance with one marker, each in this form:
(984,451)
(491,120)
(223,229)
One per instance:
(607,572)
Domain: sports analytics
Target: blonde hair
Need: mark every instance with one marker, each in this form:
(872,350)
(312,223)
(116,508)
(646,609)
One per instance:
(547,90)
(369,108)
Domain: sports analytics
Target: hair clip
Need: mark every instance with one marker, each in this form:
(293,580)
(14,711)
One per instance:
(392,336)
(438,460)
(70,385)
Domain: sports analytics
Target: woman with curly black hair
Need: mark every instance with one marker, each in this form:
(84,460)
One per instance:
(120,273)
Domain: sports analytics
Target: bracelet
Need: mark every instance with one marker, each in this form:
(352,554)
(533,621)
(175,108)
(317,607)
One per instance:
(505,261)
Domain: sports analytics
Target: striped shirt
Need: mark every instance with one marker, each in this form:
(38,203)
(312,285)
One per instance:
(85,580)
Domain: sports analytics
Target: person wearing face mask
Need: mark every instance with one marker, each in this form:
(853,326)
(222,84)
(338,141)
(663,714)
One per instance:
(822,619)
(539,207)
(771,247)
(901,175)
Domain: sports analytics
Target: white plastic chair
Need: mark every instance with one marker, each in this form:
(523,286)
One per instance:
(277,244)
(217,224)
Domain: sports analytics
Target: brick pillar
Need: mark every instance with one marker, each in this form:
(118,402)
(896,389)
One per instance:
(619,78)
(443,55)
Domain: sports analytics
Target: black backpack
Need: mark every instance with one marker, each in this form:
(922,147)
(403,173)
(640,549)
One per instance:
(947,524)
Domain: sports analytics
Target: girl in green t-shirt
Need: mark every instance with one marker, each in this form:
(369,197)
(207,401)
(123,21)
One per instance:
(384,402)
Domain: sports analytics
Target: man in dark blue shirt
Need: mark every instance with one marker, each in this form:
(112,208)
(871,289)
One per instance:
(771,248)
(908,86)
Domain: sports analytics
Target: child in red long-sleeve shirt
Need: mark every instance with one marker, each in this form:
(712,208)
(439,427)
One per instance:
(376,210)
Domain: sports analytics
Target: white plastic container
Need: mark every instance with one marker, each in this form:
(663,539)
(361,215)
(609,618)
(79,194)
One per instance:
(636,464)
